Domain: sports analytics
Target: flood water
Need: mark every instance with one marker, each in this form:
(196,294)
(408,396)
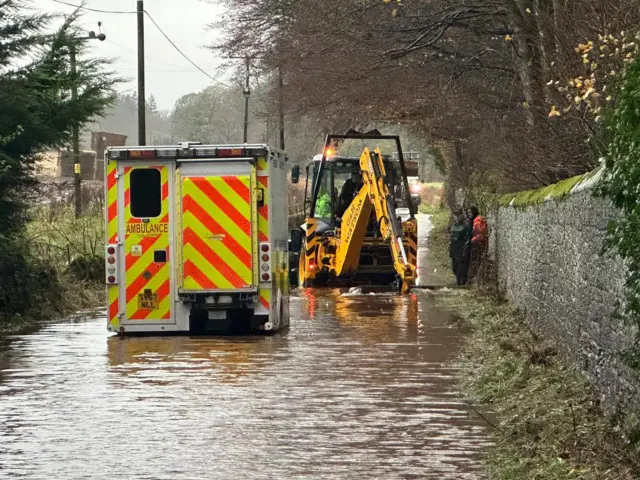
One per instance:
(357,387)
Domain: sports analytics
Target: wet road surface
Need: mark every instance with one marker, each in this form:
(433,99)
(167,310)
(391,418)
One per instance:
(358,387)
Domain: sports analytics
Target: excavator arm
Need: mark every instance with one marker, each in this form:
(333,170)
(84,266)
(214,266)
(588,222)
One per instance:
(374,193)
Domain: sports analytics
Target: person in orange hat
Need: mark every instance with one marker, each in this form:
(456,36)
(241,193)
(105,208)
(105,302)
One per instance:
(479,240)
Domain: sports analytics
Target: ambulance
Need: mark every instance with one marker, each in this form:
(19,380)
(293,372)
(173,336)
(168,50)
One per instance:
(196,239)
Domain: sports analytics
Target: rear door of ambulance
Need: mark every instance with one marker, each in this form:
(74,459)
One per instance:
(145,223)
(215,231)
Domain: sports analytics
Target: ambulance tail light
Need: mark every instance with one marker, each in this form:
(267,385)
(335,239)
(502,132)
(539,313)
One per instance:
(111,264)
(230,152)
(265,262)
(142,153)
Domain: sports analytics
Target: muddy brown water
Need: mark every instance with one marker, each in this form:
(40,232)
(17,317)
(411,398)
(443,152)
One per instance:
(358,387)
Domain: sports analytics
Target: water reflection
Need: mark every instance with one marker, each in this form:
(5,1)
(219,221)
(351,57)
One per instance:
(383,319)
(160,359)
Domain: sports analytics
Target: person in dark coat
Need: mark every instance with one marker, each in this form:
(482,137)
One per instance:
(348,191)
(460,247)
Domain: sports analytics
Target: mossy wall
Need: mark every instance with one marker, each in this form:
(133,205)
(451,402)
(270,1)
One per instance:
(546,245)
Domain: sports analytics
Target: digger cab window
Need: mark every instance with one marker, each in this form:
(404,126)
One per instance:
(347,179)
(339,183)
(146,193)
(324,201)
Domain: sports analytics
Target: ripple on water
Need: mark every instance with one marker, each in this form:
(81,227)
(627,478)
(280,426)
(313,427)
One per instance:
(359,387)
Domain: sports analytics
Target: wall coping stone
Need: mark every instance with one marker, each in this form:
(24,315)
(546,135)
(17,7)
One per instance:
(553,192)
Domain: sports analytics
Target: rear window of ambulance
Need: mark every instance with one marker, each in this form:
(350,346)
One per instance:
(146,193)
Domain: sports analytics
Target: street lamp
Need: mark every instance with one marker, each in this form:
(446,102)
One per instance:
(75,138)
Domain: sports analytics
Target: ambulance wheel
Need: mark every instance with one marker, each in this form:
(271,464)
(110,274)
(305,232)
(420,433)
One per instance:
(293,269)
(293,277)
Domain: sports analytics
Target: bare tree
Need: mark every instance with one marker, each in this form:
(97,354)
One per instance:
(475,76)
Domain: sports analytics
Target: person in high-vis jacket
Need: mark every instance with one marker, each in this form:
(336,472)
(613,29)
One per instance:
(323,206)
(479,240)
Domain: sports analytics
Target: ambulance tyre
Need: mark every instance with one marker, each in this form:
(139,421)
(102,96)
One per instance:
(294,258)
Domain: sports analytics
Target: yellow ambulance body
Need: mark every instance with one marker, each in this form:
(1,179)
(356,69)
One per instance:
(196,239)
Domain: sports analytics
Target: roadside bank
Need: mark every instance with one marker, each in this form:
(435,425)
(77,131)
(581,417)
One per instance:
(56,267)
(549,421)
(68,296)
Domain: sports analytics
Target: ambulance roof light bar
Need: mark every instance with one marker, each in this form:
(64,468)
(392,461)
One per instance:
(189,152)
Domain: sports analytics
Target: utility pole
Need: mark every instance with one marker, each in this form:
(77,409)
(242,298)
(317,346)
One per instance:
(142,126)
(75,134)
(247,93)
(281,106)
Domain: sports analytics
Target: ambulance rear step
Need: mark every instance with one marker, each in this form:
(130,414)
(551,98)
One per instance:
(220,300)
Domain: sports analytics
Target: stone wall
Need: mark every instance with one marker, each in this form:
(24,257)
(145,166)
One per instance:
(549,264)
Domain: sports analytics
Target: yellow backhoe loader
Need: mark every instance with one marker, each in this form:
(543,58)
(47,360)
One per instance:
(354,233)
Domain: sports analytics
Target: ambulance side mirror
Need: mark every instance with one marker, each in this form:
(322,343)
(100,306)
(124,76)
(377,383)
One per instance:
(295,174)
(295,244)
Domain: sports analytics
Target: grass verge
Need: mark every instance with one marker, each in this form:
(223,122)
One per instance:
(439,264)
(71,295)
(549,422)
(55,268)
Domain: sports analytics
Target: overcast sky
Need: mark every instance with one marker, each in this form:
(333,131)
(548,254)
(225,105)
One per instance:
(168,74)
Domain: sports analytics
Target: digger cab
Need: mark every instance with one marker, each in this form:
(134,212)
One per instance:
(336,184)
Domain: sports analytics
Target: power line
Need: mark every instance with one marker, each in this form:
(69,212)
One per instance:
(90,9)
(146,57)
(181,52)
(159,29)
